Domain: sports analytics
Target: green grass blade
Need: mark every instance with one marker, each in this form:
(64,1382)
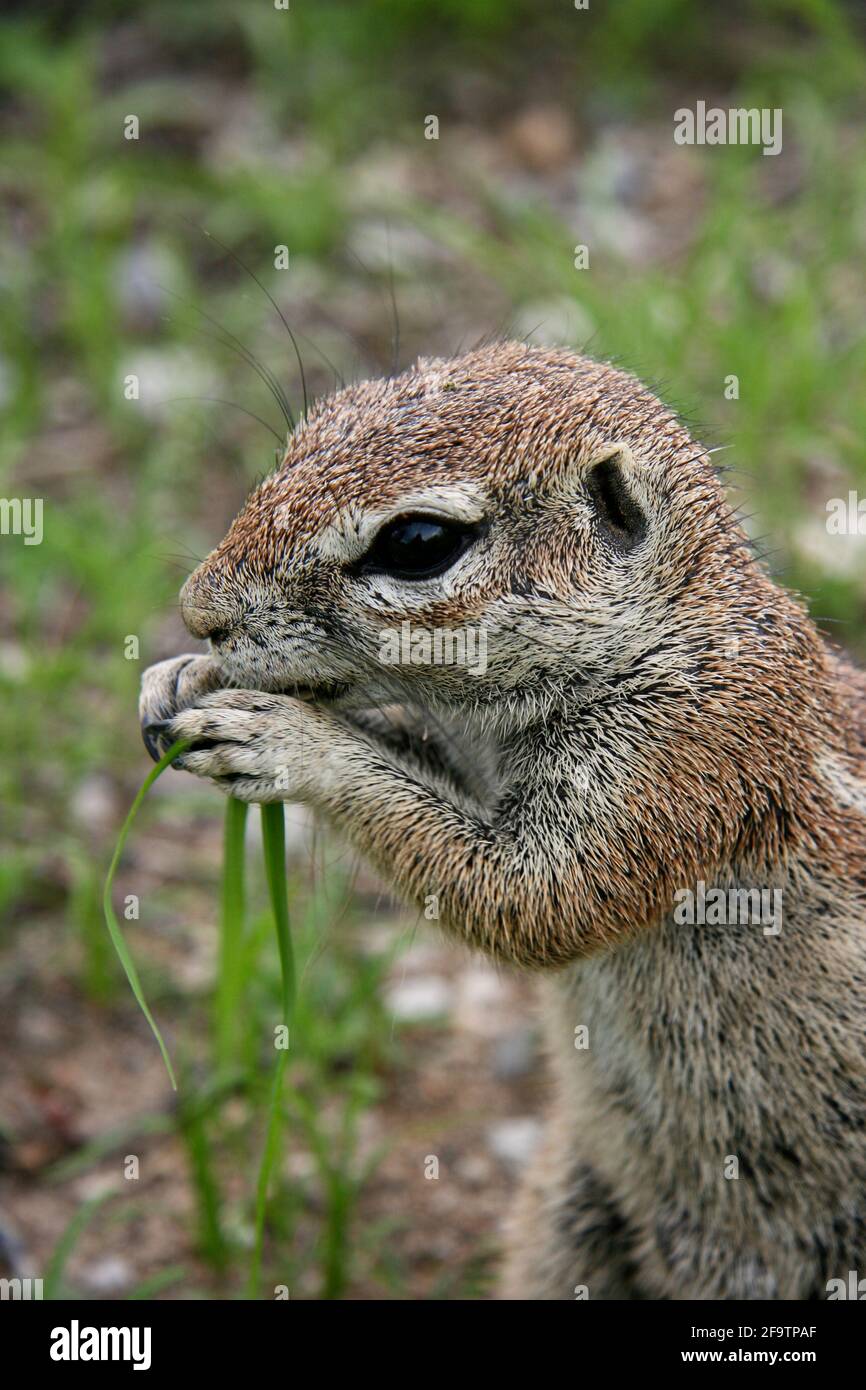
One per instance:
(52,1286)
(111,921)
(227,1011)
(274,840)
(274,837)
(211,1241)
(266,1167)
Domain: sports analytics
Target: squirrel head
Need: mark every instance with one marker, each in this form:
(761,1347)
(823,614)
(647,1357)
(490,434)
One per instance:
(542,513)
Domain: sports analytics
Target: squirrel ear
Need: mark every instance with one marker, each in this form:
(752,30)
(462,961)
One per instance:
(611,477)
(616,449)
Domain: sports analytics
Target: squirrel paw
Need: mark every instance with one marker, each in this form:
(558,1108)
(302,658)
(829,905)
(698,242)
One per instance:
(168,687)
(253,745)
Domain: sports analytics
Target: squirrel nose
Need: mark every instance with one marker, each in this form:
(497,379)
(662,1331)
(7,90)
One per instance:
(202,616)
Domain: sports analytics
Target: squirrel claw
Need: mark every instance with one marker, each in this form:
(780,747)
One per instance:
(150,734)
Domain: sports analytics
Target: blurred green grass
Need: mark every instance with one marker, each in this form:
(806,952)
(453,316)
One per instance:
(768,287)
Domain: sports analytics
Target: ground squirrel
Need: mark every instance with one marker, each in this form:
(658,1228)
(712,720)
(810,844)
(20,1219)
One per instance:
(653,718)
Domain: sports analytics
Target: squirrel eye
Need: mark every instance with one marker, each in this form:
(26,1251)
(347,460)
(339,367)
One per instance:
(417,547)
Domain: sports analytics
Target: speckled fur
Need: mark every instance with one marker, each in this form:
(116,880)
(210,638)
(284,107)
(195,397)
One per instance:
(649,717)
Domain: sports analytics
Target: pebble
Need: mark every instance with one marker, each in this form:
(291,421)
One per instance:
(542,138)
(474,1170)
(93,802)
(839,556)
(485,1001)
(514,1054)
(142,275)
(108,1275)
(514,1141)
(554,323)
(163,377)
(421,999)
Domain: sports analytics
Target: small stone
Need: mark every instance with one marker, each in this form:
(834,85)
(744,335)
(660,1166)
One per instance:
(14,662)
(514,1141)
(160,377)
(485,1001)
(143,275)
(514,1054)
(838,555)
(474,1170)
(40,1028)
(93,802)
(542,138)
(554,323)
(109,1275)
(419,1000)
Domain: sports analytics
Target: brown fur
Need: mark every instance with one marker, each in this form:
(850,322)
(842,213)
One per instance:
(651,716)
